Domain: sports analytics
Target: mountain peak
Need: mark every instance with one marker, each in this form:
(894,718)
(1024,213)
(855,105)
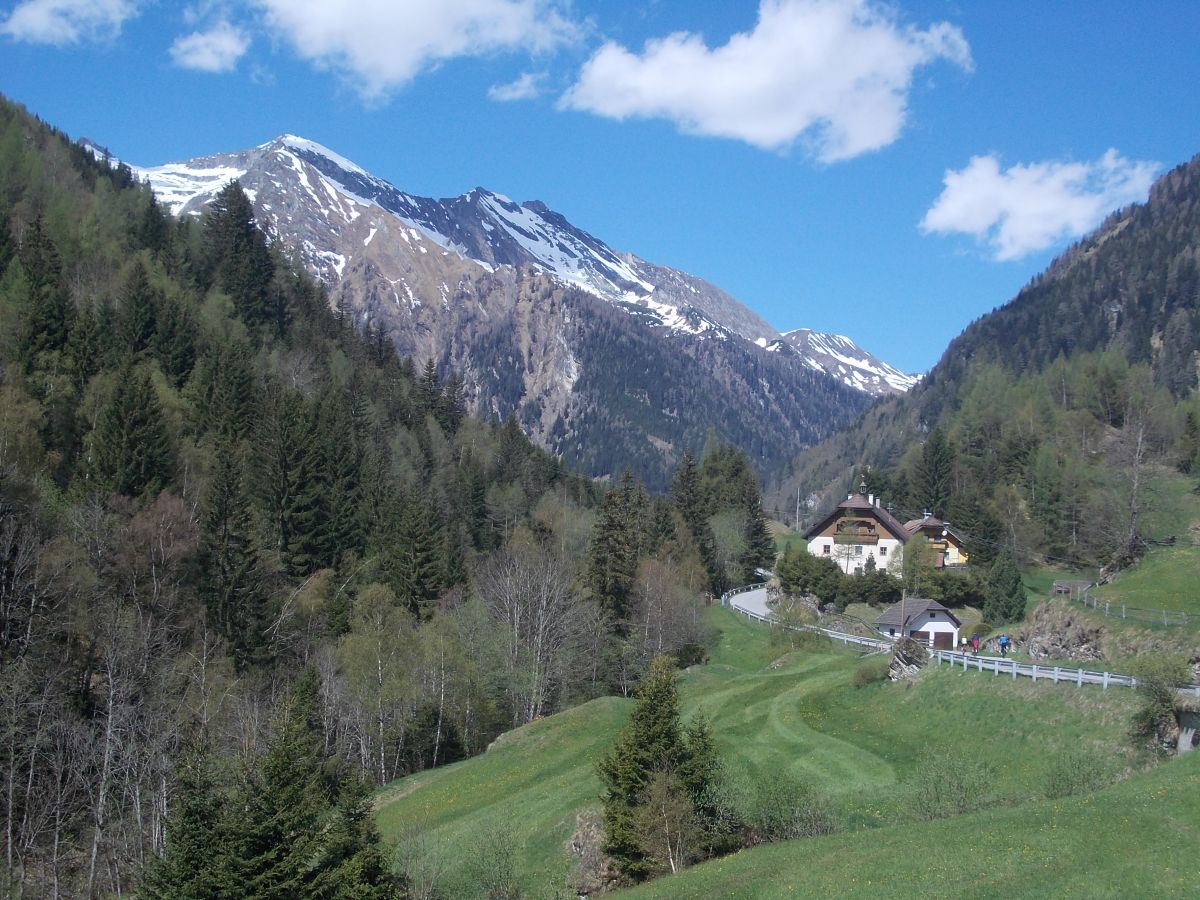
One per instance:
(330,209)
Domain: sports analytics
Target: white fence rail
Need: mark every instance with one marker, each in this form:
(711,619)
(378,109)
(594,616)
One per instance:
(997,666)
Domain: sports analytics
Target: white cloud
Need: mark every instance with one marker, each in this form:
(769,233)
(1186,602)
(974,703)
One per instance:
(216,50)
(523,88)
(1027,208)
(835,72)
(381,45)
(62,22)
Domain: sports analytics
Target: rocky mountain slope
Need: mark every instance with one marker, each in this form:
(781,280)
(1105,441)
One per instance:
(605,357)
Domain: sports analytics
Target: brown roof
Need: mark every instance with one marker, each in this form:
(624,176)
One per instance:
(857,503)
(914,525)
(912,610)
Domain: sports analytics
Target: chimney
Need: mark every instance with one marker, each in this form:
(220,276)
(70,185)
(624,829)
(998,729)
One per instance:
(870,499)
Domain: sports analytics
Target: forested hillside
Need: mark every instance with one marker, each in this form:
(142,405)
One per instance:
(1043,422)
(252,562)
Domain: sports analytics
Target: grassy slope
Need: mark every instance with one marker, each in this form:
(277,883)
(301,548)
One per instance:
(1164,579)
(799,713)
(1137,838)
(533,780)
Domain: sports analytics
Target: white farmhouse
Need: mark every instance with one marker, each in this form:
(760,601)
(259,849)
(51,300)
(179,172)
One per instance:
(858,529)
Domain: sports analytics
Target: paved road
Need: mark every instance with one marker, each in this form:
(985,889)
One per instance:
(752,602)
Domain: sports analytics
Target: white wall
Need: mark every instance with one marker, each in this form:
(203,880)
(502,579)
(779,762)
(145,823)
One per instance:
(890,547)
(938,623)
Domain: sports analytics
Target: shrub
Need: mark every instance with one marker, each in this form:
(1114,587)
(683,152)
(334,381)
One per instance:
(1154,721)
(872,671)
(1073,772)
(777,807)
(950,788)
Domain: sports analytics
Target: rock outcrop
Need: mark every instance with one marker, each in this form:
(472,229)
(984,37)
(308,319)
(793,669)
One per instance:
(908,658)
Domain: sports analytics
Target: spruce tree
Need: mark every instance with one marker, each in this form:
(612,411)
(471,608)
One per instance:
(613,555)
(195,863)
(760,546)
(137,318)
(931,479)
(650,742)
(174,342)
(48,312)
(1004,599)
(282,808)
(85,347)
(413,562)
(131,449)
(689,500)
(236,253)
(353,862)
(229,582)
(341,474)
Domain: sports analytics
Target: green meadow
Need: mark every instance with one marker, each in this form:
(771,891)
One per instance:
(869,750)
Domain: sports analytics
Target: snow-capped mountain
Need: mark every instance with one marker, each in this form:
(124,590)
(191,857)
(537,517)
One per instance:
(839,356)
(484,227)
(611,360)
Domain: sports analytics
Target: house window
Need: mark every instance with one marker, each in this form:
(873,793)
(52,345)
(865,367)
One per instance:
(883,551)
(858,549)
(825,549)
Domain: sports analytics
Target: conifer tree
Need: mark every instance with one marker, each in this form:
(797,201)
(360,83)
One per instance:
(237,256)
(131,450)
(174,342)
(429,389)
(353,864)
(1004,599)
(86,346)
(760,546)
(413,561)
(138,314)
(689,500)
(931,479)
(282,808)
(652,744)
(230,582)
(195,862)
(613,555)
(48,311)
(341,474)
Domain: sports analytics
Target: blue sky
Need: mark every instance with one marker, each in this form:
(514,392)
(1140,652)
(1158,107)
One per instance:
(889,171)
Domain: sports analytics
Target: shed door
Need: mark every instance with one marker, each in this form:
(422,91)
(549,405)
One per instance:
(943,640)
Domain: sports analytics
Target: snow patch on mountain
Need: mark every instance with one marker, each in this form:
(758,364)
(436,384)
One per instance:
(317,197)
(841,357)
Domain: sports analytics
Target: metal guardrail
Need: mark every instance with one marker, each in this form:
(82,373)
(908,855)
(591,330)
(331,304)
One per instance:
(843,637)
(995,665)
